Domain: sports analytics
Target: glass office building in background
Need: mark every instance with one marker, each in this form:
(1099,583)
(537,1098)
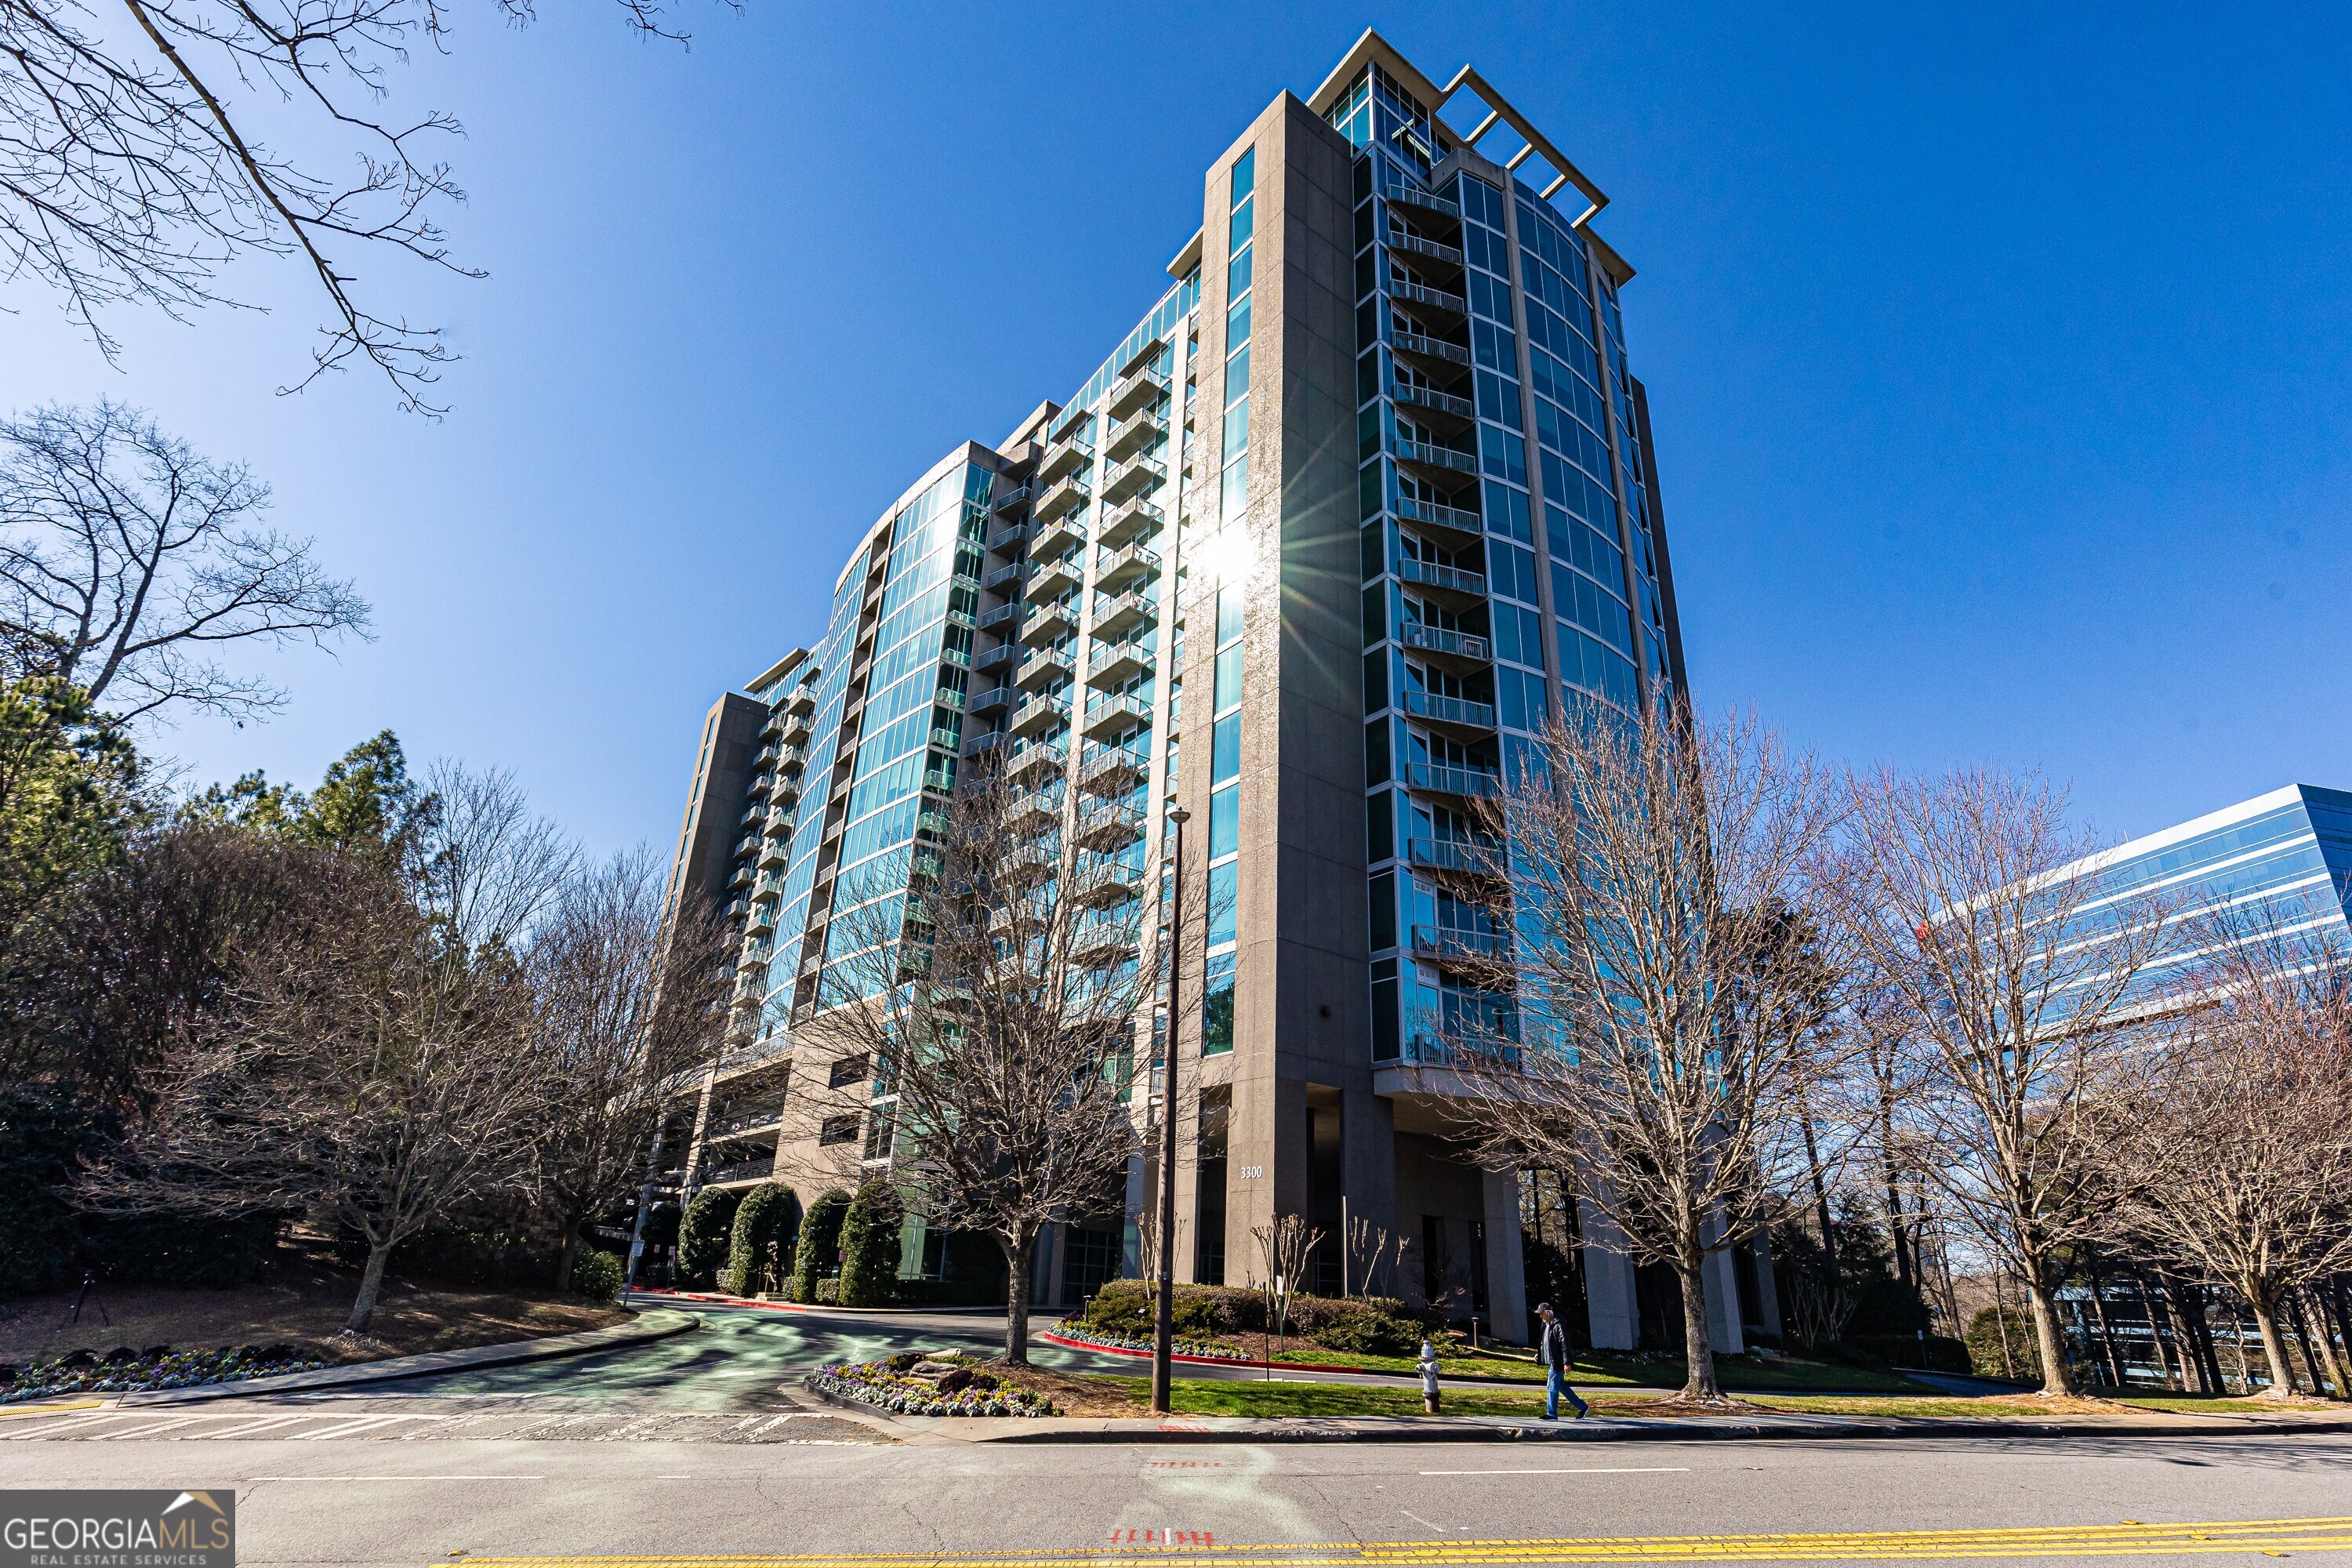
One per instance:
(1366,495)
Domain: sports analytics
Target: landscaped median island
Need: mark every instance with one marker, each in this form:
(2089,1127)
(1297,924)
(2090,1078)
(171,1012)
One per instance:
(933,1382)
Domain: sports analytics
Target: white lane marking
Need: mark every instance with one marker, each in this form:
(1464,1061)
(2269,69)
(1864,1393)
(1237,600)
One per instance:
(1612,1470)
(70,1424)
(399,1478)
(134,1430)
(258,1424)
(1441,1529)
(364,1424)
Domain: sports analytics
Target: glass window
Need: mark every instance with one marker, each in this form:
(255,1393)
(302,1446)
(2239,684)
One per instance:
(1224,886)
(1224,821)
(1225,749)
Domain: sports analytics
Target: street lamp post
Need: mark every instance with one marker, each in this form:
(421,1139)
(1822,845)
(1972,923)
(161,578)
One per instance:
(1163,1316)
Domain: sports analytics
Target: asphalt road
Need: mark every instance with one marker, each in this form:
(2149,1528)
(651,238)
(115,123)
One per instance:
(698,1448)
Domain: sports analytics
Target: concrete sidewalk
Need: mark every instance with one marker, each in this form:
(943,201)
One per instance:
(1742,1427)
(651,1326)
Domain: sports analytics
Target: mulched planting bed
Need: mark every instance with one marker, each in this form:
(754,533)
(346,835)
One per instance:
(126,1371)
(931,1383)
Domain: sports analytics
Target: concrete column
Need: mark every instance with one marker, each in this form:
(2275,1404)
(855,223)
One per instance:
(1368,1172)
(1507,1282)
(1616,1313)
(1768,1289)
(1722,1304)
(1140,1195)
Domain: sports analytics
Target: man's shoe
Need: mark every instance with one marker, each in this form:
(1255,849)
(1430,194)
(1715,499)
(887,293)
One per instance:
(1582,1411)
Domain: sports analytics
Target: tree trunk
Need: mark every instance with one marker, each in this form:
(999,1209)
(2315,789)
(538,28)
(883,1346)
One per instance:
(2057,1377)
(567,1257)
(1821,1194)
(1698,1347)
(370,1282)
(1018,1256)
(2274,1347)
(2319,1346)
(2156,1327)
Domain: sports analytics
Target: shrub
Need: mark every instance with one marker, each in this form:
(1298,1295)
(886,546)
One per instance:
(1986,1332)
(1368,1332)
(596,1276)
(870,1239)
(827,1292)
(820,1244)
(705,1234)
(765,1224)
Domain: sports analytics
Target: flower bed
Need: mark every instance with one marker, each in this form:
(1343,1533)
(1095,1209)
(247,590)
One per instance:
(126,1371)
(892,1385)
(1087,1333)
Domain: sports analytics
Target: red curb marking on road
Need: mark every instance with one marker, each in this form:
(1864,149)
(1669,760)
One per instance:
(1051,1336)
(1162,1538)
(1183,1464)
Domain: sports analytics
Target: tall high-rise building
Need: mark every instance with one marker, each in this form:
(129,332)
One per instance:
(1366,495)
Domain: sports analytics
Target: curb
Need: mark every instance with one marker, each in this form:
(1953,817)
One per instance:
(715,1299)
(660,1324)
(1408,1430)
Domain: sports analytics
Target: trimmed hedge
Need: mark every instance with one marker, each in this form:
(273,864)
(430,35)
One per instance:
(764,1226)
(820,1244)
(1366,1325)
(597,1275)
(706,1234)
(871,1236)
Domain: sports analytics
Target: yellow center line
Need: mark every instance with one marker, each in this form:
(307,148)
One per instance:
(2134,1539)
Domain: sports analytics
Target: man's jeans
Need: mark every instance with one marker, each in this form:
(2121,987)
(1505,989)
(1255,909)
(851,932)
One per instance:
(1555,1384)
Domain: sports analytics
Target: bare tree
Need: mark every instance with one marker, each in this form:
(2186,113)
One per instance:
(482,861)
(1372,1255)
(2229,1148)
(139,162)
(623,1002)
(128,560)
(1662,1028)
(2010,970)
(1285,1247)
(373,1075)
(998,1002)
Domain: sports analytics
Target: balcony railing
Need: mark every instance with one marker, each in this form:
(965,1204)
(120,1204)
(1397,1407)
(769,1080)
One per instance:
(1124,612)
(1107,715)
(1108,767)
(1436,457)
(1439,710)
(1446,643)
(1400,240)
(982,741)
(1437,402)
(1428,347)
(1451,579)
(1134,476)
(1413,195)
(1129,520)
(1053,578)
(1046,664)
(996,581)
(1065,496)
(989,700)
(1037,760)
(1009,538)
(1002,615)
(1456,855)
(1133,392)
(1051,536)
(1105,938)
(1448,945)
(1052,622)
(1436,778)
(1135,433)
(1018,496)
(1064,457)
(1436,299)
(1121,568)
(1039,713)
(1114,665)
(741,1171)
(1434,515)
(1111,824)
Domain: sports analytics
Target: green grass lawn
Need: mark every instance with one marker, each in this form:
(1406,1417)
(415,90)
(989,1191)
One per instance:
(1211,1397)
(1601,1369)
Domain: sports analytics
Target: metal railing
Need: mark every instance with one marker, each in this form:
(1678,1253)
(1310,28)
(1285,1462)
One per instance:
(1436,456)
(1450,710)
(1445,641)
(1429,347)
(1439,516)
(1429,574)
(1474,784)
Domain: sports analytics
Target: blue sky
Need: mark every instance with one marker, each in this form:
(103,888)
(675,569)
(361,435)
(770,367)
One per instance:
(1998,359)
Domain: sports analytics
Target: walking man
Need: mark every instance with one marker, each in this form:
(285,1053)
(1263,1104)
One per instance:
(1553,1352)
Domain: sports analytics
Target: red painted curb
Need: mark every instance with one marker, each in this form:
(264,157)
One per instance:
(1048,1335)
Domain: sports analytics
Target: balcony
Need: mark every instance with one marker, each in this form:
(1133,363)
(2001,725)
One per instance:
(1036,811)
(1037,760)
(1431,298)
(760,785)
(1124,612)
(739,908)
(1119,663)
(756,953)
(801,702)
(1004,579)
(784,791)
(1125,568)
(1137,476)
(1109,826)
(1444,644)
(741,1171)
(1044,666)
(992,700)
(1448,945)
(1051,623)
(1006,539)
(1430,401)
(1465,857)
(1110,715)
(1450,712)
(1452,520)
(1445,459)
(1003,654)
(1059,534)
(1423,347)
(1114,769)
(1040,713)
(1053,578)
(1414,245)
(1445,582)
(1065,497)
(981,742)
(747,844)
(1405,194)
(774,850)
(755,815)
(1002,615)
(1136,433)
(763,919)
(1063,458)
(1468,784)
(1021,495)
(1110,884)
(1106,939)
(1141,390)
(1131,520)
